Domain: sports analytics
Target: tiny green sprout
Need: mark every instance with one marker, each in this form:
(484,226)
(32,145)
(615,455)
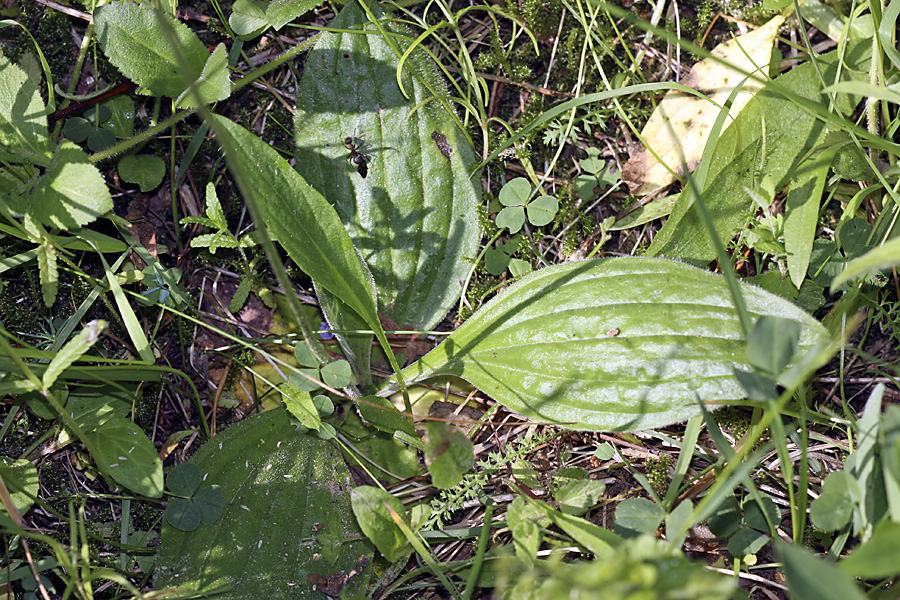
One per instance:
(515,197)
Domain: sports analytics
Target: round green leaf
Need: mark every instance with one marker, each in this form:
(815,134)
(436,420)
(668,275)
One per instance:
(496,261)
(101,139)
(747,541)
(324,405)
(519,267)
(576,497)
(337,374)
(635,516)
(516,192)
(71,192)
(755,517)
(448,454)
(511,217)
(726,519)
(614,344)
(183,479)
(97,114)
(21,478)
(248,18)
(375,520)
(542,210)
(285,494)
(832,510)
(605,451)
(124,451)
(183,514)
(211,503)
(145,170)
(77,129)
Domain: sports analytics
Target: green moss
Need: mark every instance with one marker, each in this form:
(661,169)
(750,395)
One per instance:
(657,472)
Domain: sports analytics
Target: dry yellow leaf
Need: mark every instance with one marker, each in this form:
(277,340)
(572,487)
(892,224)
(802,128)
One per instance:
(680,125)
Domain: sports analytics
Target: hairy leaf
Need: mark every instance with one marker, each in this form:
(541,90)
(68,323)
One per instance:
(135,39)
(23,120)
(285,495)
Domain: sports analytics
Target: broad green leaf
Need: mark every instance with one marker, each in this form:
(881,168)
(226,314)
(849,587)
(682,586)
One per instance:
(615,344)
(125,452)
(448,454)
(576,497)
(184,479)
(121,119)
(135,39)
(212,85)
(772,344)
(145,170)
(758,517)
(281,12)
(412,217)
(71,192)
(299,218)
(881,257)
(635,516)
(801,212)
(23,120)
(772,131)
(376,521)
(524,521)
(283,492)
(726,519)
(811,577)
(91,408)
(877,557)
(384,416)
(248,18)
(21,479)
(38,404)
(597,540)
(747,541)
(832,510)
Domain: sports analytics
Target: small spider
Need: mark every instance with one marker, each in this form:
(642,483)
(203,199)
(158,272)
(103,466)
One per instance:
(357,157)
